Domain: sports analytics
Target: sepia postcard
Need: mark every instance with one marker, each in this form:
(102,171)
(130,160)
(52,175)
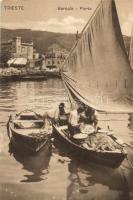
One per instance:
(66,100)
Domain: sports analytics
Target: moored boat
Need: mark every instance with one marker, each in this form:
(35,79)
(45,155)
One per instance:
(110,158)
(33,77)
(97,74)
(29,131)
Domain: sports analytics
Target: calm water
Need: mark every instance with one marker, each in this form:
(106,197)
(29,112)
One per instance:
(51,174)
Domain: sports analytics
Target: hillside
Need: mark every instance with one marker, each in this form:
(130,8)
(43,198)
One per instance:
(43,39)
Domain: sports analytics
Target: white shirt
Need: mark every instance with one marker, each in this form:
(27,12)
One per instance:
(74,118)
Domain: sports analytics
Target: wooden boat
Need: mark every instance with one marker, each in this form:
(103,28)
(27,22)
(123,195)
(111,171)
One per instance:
(79,150)
(29,131)
(33,77)
(97,74)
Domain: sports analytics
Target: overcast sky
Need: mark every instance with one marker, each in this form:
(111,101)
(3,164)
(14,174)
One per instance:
(44,14)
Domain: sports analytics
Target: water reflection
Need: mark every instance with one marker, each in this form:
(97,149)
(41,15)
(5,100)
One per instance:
(67,178)
(37,164)
(94,182)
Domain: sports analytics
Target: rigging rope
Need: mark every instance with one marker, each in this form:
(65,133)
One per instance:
(129,162)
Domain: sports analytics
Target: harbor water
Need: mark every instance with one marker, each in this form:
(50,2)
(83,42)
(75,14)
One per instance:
(52,174)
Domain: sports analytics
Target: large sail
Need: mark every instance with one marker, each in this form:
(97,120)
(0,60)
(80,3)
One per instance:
(97,71)
(131,50)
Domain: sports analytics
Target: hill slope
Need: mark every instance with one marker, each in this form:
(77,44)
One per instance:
(43,39)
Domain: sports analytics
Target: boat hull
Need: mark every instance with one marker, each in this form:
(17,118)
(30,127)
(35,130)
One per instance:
(110,159)
(27,131)
(28,143)
(33,77)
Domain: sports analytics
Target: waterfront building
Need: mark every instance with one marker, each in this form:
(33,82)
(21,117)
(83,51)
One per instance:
(15,48)
(18,48)
(55,56)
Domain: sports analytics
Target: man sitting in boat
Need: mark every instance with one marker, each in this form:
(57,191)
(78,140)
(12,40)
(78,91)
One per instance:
(73,121)
(61,116)
(90,116)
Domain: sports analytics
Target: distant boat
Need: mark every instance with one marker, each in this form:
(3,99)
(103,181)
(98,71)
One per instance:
(36,77)
(29,131)
(32,75)
(52,71)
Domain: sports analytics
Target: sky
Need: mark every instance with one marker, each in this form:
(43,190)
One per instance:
(51,15)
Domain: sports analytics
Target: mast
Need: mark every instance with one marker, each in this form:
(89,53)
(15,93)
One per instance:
(131,50)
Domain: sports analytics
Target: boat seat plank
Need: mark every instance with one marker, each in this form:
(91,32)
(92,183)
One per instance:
(29,131)
(27,121)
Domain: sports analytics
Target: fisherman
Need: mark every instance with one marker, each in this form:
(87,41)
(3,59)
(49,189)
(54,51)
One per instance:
(90,116)
(58,116)
(73,121)
(61,116)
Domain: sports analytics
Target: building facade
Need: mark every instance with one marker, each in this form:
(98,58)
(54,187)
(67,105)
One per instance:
(15,48)
(55,56)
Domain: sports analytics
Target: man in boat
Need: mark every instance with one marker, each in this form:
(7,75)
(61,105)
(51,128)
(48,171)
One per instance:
(90,116)
(73,121)
(60,115)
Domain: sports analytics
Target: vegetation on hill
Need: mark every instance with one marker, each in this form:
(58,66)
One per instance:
(42,39)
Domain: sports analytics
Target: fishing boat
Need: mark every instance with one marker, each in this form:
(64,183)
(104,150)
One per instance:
(97,74)
(79,148)
(29,131)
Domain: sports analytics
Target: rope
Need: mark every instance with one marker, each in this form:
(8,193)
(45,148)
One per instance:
(130,164)
(128,145)
(8,129)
